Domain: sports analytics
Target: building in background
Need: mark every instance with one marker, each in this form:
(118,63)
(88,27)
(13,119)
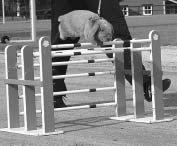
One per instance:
(148,7)
(20,8)
(170,7)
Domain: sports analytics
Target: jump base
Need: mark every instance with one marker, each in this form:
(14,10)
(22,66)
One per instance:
(148,120)
(38,132)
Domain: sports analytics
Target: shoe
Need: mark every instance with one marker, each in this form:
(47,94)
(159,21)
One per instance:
(5,39)
(147,88)
(58,102)
(166,84)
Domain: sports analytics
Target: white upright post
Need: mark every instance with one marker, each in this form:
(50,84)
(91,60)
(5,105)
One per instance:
(137,82)
(12,89)
(164,7)
(33,19)
(30,122)
(156,77)
(3,12)
(47,88)
(120,96)
(18,8)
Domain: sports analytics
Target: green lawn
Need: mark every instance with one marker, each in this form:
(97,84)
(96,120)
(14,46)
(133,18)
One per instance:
(139,27)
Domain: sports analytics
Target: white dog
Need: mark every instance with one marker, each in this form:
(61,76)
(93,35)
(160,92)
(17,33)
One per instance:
(86,25)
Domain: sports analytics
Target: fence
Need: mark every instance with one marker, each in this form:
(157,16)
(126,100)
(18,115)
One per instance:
(44,81)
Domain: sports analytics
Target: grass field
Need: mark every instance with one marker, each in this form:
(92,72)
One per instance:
(92,127)
(139,27)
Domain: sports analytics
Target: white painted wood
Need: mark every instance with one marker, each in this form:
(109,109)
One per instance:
(33,19)
(30,122)
(46,85)
(38,132)
(96,51)
(156,77)
(104,43)
(85,106)
(3,12)
(48,124)
(147,120)
(119,83)
(137,82)
(11,90)
(22,82)
(83,91)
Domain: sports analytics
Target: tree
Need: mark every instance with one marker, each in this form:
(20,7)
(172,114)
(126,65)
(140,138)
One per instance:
(10,7)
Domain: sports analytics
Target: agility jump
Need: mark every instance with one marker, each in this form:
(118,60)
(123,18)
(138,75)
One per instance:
(45,82)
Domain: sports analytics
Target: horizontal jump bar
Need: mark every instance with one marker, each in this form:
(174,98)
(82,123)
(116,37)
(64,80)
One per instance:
(99,51)
(83,91)
(36,54)
(83,74)
(74,62)
(23,82)
(89,51)
(81,61)
(126,71)
(104,44)
(79,75)
(77,91)
(79,107)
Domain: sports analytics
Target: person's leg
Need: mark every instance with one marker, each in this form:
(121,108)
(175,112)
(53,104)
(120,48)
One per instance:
(115,16)
(146,78)
(61,7)
(59,84)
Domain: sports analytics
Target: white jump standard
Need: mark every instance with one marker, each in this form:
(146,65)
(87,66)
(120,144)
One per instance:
(45,82)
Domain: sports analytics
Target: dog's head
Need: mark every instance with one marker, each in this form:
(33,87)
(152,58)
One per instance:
(98,30)
(105,31)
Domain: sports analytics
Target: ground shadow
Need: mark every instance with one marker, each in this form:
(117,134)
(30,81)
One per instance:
(170,109)
(85,123)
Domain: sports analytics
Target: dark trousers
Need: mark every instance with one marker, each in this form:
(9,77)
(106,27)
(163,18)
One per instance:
(110,10)
(59,84)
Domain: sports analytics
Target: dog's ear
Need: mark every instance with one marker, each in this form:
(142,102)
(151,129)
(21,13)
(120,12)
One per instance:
(91,27)
(92,20)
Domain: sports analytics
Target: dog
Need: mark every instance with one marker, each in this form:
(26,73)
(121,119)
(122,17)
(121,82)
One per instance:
(85,25)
